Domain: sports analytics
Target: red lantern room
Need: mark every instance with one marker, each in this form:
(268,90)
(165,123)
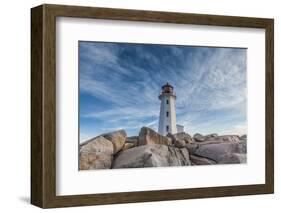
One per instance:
(167,88)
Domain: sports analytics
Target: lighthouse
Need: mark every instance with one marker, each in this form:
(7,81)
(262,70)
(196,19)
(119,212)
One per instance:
(167,118)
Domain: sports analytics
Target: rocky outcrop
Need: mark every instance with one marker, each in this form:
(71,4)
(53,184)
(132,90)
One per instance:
(214,137)
(198,137)
(149,136)
(179,143)
(180,138)
(243,137)
(150,149)
(96,153)
(183,136)
(210,137)
(187,138)
(228,138)
(117,138)
(152,155)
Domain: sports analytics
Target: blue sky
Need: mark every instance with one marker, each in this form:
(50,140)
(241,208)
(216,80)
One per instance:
(120,84)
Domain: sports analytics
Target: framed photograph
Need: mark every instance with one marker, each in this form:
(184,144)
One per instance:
(136,106)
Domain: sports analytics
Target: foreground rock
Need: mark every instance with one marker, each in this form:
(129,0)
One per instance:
(117,138)
(150,149)
(149,136)
(152,155)
(96,153)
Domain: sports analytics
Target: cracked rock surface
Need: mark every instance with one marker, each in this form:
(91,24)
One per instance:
(152,155)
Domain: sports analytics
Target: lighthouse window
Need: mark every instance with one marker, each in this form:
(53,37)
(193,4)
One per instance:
(167,101)
(167,114)
(167,128)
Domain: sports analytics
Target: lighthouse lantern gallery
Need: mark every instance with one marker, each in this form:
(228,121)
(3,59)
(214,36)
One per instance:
(155,105)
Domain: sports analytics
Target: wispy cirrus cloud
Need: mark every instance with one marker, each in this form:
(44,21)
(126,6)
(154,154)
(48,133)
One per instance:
(120,84)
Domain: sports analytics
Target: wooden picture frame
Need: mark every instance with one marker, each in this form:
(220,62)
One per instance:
(43,105)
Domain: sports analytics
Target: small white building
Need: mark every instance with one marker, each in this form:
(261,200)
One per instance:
(180,128)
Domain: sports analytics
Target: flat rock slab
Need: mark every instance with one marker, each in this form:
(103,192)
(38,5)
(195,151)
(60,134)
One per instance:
(214,151)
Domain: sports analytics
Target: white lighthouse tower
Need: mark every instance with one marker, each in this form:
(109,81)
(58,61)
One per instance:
(167,118)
